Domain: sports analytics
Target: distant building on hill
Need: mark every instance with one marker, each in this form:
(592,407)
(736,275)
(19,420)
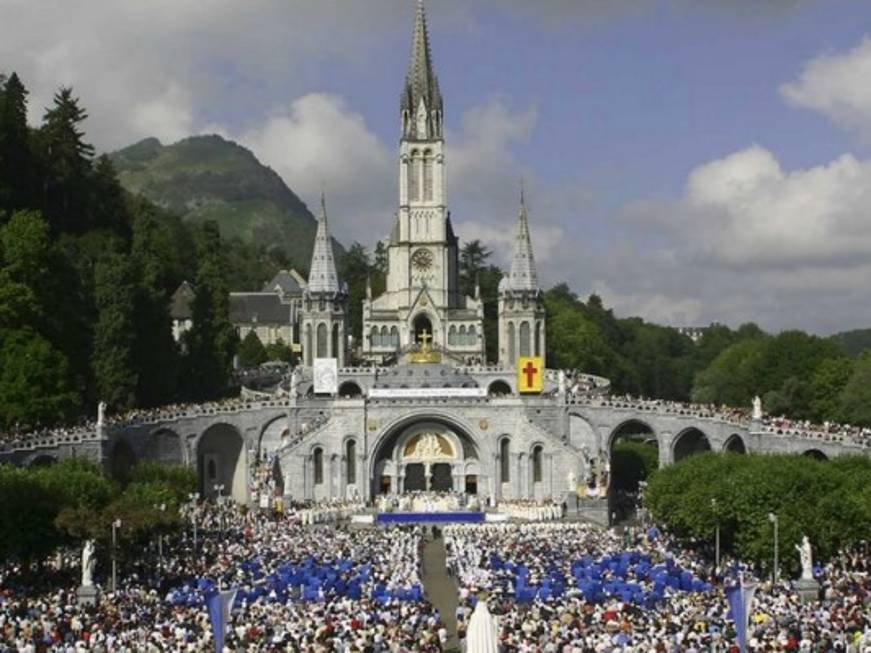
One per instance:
(273,313)
(694,333)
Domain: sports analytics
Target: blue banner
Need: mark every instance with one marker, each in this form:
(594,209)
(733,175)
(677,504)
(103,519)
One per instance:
(740,597)
(219,605)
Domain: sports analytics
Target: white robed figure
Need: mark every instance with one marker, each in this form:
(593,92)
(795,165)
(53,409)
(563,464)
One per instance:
(483,633)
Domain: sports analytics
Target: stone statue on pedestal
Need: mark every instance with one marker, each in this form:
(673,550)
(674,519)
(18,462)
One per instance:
(805,554)
(757,408)
(101,414)
(562,383)
(572,481)
(88,562)
(294,381)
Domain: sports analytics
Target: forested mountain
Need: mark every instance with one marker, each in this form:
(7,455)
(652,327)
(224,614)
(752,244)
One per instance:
(853,342)
(204,178)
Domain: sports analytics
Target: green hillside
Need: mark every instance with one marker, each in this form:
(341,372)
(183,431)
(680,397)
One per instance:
(209,178)
(854,342)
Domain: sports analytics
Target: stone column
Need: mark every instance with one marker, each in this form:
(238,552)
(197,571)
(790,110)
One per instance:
(517,478)
(307,477)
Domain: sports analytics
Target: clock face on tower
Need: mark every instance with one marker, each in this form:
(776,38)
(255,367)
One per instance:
(421,260)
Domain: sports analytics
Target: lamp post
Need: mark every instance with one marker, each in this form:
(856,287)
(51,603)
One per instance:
(716,538)
(773,519)
(194,497)
(115,526)
(162,509)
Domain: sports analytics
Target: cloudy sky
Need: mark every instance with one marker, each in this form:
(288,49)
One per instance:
(689,160)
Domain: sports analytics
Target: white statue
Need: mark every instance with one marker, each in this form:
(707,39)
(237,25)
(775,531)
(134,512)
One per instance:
(88,562)
(294,381)
(101,413)
(757,408)
(572,480)
(562,382)
(806,556)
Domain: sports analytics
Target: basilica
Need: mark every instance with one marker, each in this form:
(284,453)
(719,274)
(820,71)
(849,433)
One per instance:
(425,410)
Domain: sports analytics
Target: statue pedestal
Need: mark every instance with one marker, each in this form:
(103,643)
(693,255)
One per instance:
(87,595)
(808,589)
(571,501)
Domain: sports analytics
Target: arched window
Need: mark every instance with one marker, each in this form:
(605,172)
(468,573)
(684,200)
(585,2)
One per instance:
(461,337)
(374,338)
(452,335)
(337,342)
(473,336)
(350,462)
(413,176)
(394,337)
(524,339)
(538,338)
(308,344)
(385,338)
(511,348)
(319,466)
(536,464)
(505,460)
(322,340)
(427,176)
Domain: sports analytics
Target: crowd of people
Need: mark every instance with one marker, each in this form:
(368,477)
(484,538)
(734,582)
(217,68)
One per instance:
(571,587)
(531,510)
(825,432)
(300,588)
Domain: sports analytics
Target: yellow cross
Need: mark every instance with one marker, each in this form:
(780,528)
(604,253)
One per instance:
(425,337)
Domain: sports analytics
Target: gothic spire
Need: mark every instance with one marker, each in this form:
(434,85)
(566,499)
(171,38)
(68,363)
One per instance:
(421,84)
(322,273)
(523,275)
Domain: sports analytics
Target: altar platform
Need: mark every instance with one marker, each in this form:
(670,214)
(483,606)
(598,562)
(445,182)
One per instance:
(447,517)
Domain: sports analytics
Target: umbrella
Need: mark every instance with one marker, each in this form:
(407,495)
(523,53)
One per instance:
(483,633)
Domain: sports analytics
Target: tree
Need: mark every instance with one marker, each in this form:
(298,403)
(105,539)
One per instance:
(251,351)
(16,159)
(826,386)
(67,160)
(473,260)
(733,376)
(35,384)
(115,334)
(855,399)
(211,340)
(279,351)
(355,271)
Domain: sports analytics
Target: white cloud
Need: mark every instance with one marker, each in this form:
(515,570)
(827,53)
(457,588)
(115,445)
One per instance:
(320,143)
(836,85)
(745,209)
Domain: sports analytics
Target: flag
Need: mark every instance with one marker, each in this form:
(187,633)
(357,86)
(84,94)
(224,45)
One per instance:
(219,605)
(740,597)
(530,373)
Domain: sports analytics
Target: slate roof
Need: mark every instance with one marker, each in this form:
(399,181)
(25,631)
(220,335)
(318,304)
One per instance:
(258,307)
(181,301)
(284,280)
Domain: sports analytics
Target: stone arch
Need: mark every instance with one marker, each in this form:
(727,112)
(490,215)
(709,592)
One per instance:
(336,342)
(537,463)
(633,453)
(388,439)
(422,322)
(272,436)
(512,349)
(498,388)
(165,446)
(374,337)
(122,461)
(816,454)
(350,390)
(42,460)
(689,442)
(525,339)
(582,434)
(321,340)
(735,444)
(504,470)
(221,461)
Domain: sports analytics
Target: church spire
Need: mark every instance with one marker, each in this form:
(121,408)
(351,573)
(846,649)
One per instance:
(523,275)
(421,101)
(322,273)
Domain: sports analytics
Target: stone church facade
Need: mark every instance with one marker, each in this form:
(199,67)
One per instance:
(428,412)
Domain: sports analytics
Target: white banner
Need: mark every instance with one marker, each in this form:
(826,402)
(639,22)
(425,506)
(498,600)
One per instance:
(326,375)
(411,393)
